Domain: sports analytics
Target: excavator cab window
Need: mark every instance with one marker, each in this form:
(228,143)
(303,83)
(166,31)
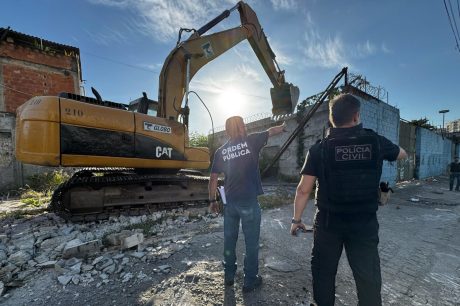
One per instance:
(144,105)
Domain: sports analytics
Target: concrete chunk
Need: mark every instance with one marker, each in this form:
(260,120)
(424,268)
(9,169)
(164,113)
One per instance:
(132,241)
(117,238)
(82,249)
(19,258)
(64,279)
(105,262)
(137,255)
(47,264)
(110,269)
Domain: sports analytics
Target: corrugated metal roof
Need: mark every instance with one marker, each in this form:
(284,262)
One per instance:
(33,41)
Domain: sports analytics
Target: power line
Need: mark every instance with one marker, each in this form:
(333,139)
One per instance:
(451,26)
(138,68)
(454,18)
(120,62)
(11,88)
(156,72)
(458,8)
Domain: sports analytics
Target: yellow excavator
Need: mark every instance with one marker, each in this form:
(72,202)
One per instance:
(137,151)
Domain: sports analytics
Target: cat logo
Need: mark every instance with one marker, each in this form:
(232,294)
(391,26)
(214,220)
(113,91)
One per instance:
(207,49)
(163,151)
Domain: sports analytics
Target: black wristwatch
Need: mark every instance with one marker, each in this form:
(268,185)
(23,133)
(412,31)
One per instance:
(294,221)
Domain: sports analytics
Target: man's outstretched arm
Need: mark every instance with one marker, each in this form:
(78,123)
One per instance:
(402,154)
(275,130)
(302,195)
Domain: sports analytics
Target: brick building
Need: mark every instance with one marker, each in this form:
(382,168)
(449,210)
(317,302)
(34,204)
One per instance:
(29,66)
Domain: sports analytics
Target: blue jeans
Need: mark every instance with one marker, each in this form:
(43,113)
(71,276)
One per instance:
(250,215)
(452,178)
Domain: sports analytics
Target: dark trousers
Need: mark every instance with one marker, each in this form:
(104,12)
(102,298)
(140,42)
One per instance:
(452,178)
(358,233)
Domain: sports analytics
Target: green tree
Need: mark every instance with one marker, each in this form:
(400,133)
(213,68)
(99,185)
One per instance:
(198,140)
(424,123)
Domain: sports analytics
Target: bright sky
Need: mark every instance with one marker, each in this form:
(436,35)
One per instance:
(407,47)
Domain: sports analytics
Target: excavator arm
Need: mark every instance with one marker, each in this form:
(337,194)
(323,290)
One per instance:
(190,55)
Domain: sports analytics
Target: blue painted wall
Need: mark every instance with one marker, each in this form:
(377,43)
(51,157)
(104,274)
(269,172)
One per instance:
(433,153)
(383,119)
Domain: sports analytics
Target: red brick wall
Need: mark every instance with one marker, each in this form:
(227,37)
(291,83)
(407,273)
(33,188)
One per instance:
(29,72)
(31,82)
(13,51)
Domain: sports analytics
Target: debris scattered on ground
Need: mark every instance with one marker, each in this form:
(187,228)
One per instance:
(90,253)
(175,257)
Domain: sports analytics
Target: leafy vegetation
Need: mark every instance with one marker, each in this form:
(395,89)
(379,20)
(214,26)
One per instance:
(16,214)
(41,186)
(34,198)
(424,123)
(198,140)
(47,181)
(19,214)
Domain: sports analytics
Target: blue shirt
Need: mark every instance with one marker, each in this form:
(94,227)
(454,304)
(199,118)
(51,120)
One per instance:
(238,159)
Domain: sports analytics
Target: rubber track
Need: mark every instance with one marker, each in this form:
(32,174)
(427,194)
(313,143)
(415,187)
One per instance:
(118,177)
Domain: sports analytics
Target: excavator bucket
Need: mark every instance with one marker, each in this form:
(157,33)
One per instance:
(284,99)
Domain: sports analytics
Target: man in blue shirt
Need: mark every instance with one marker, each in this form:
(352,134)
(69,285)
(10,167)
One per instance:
(238,159)
(347,166)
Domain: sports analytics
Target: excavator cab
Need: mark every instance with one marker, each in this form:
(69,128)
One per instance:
(144,105)
(284,99)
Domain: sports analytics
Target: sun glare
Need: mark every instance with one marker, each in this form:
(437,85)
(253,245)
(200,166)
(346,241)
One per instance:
(231,102)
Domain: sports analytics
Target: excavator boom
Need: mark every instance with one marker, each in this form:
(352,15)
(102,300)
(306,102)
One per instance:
(198,50)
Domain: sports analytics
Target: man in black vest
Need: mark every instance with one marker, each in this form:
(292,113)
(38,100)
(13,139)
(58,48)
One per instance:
(454,173)
(347,165)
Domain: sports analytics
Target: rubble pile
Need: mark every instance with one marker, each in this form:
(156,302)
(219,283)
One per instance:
(196,286)
(89,253)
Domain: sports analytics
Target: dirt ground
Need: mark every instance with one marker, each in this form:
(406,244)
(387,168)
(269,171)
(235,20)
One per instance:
(419,249)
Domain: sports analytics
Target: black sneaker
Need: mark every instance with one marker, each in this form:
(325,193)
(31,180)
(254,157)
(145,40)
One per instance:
(254,286)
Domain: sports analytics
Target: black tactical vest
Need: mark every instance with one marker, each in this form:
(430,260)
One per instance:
(351,170)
